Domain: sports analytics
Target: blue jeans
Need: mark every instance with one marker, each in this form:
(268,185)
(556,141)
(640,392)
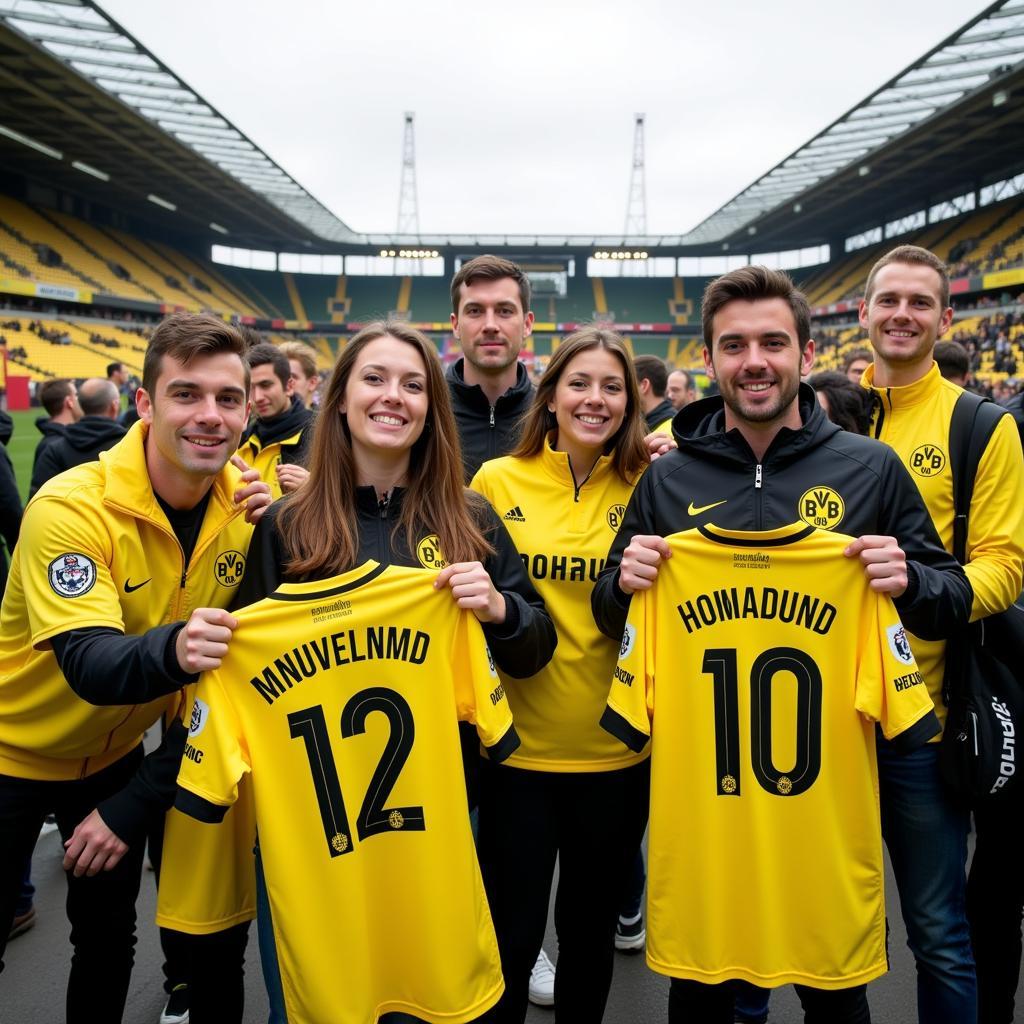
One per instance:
(926,834)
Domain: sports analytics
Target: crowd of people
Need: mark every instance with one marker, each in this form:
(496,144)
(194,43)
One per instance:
(454,627)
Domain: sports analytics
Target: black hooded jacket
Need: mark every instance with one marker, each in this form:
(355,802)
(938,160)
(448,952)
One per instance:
(664,410)
(52,433)
(81,442)
(10,500)
(486,431)
(820,474)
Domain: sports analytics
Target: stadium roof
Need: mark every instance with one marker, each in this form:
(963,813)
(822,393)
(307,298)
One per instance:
(987,50)
(85,107)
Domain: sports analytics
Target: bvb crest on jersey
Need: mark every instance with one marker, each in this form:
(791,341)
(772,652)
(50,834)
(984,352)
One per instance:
(228,568)
(823,507)
(72,575)
(428,551)
(927,460)
(615,516)
(339,842)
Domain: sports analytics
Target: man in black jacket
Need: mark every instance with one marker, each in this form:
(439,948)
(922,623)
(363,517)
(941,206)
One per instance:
(762,454)
(652,376)
(490,388)
(60,400)
(10,500)
(83,440)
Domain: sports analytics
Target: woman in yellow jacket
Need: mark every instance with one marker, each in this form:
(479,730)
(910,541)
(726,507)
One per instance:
(570,791)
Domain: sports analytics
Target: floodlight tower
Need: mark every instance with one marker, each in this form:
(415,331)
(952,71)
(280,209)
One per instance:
(636,207)
(408,204)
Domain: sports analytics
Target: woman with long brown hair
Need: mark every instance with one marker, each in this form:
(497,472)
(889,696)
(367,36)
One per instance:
(385,483)
(570,791)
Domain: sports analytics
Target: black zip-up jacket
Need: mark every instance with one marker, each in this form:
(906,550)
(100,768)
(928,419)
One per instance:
(81,442)
(486,431)
(714,477)
(664,410)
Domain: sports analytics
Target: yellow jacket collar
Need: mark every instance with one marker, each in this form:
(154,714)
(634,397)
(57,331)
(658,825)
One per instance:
(127,485)
(557,465)
(924,389)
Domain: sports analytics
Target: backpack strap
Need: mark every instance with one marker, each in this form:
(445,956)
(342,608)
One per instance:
(971,427)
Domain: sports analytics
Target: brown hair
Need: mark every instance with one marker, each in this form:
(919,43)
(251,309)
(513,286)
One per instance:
(912,254)
(750,284)
(629,453)
(184,336)
(319,544)
(266,354)
(490,268)
(303,354)
(653,369)
(52,394)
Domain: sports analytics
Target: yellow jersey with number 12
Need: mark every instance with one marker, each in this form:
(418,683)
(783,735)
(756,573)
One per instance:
(758,665)
(340,699)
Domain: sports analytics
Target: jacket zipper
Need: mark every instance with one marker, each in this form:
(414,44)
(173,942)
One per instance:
(577,487)
(758,477)
(881,411)
(383,505)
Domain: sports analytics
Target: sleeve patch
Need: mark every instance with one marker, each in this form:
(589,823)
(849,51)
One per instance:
(899,644)
(72,574)
(200,716)
(628,640)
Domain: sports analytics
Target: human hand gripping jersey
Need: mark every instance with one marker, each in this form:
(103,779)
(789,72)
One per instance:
(757,665)
(340,699)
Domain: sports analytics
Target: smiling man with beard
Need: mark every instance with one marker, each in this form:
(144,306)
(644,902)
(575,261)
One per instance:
(762,455)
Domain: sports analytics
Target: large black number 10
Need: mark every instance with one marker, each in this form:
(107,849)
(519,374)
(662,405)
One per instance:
(720,663)
(311,726)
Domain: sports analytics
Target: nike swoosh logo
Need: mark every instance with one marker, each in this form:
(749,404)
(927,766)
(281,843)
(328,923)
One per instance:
(129,589)
(693,510)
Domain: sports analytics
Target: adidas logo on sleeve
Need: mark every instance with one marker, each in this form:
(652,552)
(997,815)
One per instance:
(515,515)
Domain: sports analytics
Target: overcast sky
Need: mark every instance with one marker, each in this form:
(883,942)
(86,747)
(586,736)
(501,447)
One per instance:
(524,112)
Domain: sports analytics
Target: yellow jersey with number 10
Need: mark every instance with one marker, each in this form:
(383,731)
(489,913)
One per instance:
(758,664)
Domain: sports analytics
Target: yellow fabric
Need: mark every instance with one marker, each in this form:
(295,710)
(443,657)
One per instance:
(376,896)
(563,538)
(104,515)
(780,880)
(915,423)
(267,459)
(665,427)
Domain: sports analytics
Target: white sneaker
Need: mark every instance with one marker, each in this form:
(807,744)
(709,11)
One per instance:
(176,1010)
(542,981)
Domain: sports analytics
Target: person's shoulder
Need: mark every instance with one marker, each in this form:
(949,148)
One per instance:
(82,484)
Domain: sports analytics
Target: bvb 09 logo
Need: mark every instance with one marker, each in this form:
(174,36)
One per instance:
(822,507)
(428,551)
(228,568)
(928,460)
(615,516)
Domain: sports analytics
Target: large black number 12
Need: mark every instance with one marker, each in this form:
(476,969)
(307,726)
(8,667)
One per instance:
(311,726)
(720,663)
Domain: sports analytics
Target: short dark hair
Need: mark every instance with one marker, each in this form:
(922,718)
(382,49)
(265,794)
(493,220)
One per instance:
(653,369)
(912,254)
(750,284)
(184,336)
(849,405)
(952,358)
(857,353)
(112,368)
(264,354)
(52,394)
(251,335)
(490,268)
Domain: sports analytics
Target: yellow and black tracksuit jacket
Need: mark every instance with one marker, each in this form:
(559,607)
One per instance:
(562,531)
(914,421)
(276,440)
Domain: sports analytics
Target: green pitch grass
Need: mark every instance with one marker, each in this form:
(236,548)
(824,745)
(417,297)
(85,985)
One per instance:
(22,446)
